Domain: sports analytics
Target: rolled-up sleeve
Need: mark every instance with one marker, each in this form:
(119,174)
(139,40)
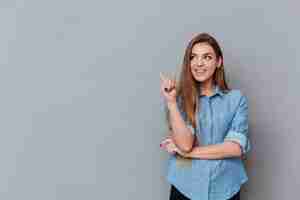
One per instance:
(238,131)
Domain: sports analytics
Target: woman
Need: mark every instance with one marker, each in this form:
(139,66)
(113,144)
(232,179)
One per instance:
(208,127)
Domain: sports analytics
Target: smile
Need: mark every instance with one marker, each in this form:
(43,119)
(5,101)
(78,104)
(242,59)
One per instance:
(200,71)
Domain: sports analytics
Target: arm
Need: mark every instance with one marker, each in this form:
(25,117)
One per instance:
(181,134)
(236,142)
(226,149)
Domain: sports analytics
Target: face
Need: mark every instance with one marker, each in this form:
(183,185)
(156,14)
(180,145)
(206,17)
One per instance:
(203,62)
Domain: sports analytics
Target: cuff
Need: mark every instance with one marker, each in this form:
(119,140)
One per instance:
(240,138)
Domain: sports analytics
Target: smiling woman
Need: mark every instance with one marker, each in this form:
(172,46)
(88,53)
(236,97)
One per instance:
(203,62)
(213,148)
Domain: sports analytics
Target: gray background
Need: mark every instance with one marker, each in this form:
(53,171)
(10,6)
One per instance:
(80,110)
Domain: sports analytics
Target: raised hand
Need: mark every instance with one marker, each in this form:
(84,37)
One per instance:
(168,89)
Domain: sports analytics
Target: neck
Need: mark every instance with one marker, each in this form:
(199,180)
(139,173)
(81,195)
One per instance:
(207,88)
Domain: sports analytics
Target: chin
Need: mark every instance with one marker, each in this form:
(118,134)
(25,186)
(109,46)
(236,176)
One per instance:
(201,79)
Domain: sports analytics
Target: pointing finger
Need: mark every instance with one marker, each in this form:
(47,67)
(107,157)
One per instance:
(162,77)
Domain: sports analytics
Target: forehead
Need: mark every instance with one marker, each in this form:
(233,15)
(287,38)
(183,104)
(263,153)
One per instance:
(202,48)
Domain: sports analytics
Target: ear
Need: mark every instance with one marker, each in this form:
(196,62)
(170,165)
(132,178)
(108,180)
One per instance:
(220,62)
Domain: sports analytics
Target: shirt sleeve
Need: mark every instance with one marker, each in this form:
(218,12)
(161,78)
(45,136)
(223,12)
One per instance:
(238,131)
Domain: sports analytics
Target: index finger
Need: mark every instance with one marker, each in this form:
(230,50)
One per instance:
(162,77)
(165,77)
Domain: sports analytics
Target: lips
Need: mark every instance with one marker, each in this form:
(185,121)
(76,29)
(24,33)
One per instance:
(200,72)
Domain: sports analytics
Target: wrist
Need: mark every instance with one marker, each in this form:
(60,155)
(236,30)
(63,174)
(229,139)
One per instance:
(187,154)
(184,153)
(172,105)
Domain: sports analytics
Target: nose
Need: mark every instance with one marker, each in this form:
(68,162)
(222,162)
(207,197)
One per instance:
(200,62)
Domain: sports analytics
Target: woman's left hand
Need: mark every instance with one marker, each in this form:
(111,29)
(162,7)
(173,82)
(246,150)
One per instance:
(169,145)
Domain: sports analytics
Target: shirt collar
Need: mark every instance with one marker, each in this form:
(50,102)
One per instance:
(216,91)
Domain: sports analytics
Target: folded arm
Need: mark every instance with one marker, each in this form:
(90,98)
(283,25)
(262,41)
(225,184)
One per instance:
(226,149)
(236,142)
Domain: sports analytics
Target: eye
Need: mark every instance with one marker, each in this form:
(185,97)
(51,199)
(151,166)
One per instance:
(207,57)
(192,57)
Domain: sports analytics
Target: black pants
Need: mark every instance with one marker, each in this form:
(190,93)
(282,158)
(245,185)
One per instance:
(176,195)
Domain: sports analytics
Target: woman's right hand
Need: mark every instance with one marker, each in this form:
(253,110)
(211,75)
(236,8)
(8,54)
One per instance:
(168,89)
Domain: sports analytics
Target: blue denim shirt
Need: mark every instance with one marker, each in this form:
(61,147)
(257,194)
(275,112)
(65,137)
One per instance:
(222,116)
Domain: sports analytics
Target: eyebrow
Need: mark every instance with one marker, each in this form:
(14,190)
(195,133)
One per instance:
(209,53)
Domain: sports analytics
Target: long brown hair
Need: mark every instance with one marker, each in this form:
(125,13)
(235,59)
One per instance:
(188,88)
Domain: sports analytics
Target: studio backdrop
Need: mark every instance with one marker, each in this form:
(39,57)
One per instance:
(81,116)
